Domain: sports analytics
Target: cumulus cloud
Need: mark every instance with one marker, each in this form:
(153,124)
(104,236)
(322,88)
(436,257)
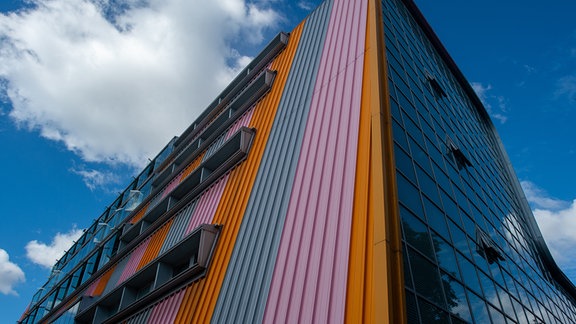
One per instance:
(10,274)
(557,222)
(46,255)
(495,105)
(115,80)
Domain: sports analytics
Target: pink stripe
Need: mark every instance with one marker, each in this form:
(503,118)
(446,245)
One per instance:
(243,121)
(166,310)
(92,287)
(175,182)
(206,208)
(132,264)
(310,276)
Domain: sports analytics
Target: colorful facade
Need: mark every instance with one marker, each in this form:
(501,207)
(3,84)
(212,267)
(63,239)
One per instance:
(348,174)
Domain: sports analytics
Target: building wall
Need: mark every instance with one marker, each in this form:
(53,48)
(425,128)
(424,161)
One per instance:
(444,204)
(374,190)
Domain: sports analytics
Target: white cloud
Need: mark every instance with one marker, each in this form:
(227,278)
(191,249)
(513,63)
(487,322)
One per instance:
(46,255)
(10,274)
(538,198)
(115,80)
(94,179)
(566,87)
(495,105)
(559,231)
(557,222)
(306,5)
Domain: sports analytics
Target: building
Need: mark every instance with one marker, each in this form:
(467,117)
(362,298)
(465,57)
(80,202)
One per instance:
(349,173)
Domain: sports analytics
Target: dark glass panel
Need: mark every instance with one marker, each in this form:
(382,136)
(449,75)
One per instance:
(456,298)
(436,218)
(409,195)
(426,278)
(478,307)
(416,233)
(432,314)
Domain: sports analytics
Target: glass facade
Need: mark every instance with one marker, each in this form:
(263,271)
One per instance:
(468,254)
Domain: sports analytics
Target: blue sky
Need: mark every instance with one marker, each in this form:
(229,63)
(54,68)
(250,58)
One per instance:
(89,93)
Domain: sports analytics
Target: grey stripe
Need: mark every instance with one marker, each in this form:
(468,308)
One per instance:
(244,292)
(178,227)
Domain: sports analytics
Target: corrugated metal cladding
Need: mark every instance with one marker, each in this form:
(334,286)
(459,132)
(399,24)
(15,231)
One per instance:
(179,227)
(310,275)
(245,289)
(200,299)
(284,247)
(140,318)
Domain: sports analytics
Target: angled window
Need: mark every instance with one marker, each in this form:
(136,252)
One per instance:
(461,159)
(487,248)
(435,85)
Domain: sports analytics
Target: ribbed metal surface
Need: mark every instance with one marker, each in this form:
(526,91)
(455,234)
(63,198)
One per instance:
(309,281)
(155,244)
(192,166)
(175,182)
(102,282)
(118,269)
(133,261)
(244,292)
(204,211)
(166,310)
(201,296)
(140,318)
(140,214)
(178,227)
(214,147)
(244,120)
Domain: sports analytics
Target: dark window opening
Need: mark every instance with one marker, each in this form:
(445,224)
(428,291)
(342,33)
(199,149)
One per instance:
(461,159)
(487,248)
(436,87)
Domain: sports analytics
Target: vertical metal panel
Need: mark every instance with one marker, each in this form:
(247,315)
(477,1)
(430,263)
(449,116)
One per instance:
(118,269)
(178,227)
(244,292)
(166,310)
(310,276)
(192,166)
(200,299)
(214,147)
(372,242)
(91,288)
(140,214)
(155,244)
(133,261)
(102,282)
(204,212)
(243,121)
(170,186)
(140,318)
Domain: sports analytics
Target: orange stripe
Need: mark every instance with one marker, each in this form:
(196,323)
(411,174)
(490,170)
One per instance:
(192,166)
(375,283)
(359,302)
(140,214)
(155,244)
(102,281)
(198,308)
